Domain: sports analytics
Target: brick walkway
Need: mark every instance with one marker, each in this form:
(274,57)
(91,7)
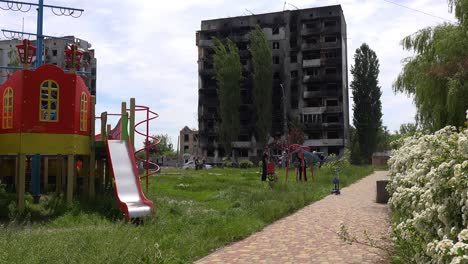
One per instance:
(309,235)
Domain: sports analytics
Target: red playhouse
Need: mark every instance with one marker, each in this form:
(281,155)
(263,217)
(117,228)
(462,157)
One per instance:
(47,127)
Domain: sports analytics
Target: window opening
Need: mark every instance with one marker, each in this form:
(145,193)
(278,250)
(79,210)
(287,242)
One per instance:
(49,103)
(7,115)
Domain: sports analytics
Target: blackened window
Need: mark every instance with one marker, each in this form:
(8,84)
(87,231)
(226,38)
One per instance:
(294,103)
(276,45)
(330,39)
(293,57)
(293,74)
(276,60)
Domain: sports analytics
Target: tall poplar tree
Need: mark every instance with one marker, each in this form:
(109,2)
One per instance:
(263,81)
(367,108)
(228,74)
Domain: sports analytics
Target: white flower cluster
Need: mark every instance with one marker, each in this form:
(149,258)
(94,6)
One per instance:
(429,189)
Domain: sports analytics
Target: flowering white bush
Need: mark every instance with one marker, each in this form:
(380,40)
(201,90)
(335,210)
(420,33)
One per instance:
(429,189)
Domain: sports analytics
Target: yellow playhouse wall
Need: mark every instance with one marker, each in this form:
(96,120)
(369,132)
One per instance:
(46,144)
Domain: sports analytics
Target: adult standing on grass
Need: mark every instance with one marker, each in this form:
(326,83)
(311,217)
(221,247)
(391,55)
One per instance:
(302,166)
(264,165)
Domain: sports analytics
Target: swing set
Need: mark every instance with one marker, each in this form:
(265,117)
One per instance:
(301,153)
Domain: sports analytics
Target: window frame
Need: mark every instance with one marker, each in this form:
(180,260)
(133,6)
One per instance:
(49,100)
(8,104)
(83,112)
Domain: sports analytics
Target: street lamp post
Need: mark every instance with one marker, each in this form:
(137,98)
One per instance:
(285,123)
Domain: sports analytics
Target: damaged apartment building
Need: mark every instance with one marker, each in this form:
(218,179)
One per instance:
(310,83)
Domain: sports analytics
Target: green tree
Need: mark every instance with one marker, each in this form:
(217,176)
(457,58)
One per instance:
(165,146)
(13,57)
(263,80)
(228,75)
(296,132)
(437,76)
(367,108)
(355,156)
(408,128)
(383,139)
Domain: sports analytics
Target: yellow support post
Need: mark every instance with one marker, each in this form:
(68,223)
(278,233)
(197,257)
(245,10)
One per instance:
(46,174)
(123,109)
(103,126)
(58,178)
(92,156)
(132,121)
(16,171)
(20,189)
(107,175)
(70,176)
(85,175)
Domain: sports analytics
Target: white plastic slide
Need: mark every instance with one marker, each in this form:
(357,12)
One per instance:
(132,202)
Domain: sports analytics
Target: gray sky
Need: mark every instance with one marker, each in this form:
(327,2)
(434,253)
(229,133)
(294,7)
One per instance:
(146,49)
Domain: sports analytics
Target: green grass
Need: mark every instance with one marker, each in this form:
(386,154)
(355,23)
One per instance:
(196,213)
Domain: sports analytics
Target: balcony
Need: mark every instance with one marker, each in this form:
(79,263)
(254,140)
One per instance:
(241,144)
(311,94)
(333,125)
(209,116)
(332,76)
(207,101)
(334,109)
(330,61)
(312,78)
(333,44)
(310,46)
(205,71)
(331,93)
(331,29)
(311,63)
(310,31)
(205,43)
(313,110)
(312,126)
(239,38)
(324,142)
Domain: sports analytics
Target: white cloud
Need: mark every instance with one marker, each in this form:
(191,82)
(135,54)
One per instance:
(146,49)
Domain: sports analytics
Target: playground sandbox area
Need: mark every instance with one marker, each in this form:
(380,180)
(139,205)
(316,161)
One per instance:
(196,213)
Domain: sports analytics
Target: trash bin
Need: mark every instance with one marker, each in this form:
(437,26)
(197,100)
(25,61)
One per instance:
(382,193)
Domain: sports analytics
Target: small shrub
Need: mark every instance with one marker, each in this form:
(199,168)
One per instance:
(245,164)
(227,164)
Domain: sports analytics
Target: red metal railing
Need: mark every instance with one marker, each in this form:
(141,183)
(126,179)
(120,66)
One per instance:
(150,115)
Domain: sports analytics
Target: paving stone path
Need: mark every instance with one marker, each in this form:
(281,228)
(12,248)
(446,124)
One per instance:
(310,235)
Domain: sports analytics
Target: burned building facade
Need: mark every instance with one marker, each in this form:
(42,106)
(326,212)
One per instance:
(310,83)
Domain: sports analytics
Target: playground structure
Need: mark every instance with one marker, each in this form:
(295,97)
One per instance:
(47,138)
(301,152)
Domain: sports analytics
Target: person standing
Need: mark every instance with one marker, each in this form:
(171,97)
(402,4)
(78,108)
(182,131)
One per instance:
(264,165)
(302,166)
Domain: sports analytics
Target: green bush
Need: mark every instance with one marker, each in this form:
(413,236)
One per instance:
(227,163)
(245,164)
